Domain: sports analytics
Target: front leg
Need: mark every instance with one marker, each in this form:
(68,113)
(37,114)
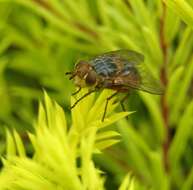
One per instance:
(76,92)
(85,95)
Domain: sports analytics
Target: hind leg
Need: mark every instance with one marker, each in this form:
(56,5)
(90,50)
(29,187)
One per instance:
(107,101)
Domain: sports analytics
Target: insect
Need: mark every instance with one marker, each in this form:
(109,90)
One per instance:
(120,70)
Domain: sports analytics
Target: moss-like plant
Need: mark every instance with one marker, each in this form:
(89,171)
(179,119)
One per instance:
(62,156)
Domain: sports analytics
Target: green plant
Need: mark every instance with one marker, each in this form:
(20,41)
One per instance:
(62,156)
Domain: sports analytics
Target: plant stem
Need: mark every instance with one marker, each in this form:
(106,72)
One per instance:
(164,79)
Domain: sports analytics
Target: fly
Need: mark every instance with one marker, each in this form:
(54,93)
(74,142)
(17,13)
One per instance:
(120,70)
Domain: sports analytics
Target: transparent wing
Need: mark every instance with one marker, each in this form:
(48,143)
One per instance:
(148,82)
(140,78)
(123,54)
(133,73)
(113,62)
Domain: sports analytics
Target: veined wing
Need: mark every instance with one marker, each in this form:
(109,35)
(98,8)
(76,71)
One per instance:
(111,63)
(148,82)
(135,73)
(140,78)
(122,54)
(128,68)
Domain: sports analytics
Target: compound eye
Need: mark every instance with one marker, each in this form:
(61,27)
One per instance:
(91,78)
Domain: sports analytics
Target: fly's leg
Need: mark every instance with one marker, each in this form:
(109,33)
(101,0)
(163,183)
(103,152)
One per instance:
(122,103)
(107,101)
(85,95)
(76,92)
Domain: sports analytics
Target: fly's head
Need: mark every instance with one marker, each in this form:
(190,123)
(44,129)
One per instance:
(84,75)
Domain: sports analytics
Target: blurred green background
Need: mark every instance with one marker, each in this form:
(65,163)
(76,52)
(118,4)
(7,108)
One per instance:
(40,40)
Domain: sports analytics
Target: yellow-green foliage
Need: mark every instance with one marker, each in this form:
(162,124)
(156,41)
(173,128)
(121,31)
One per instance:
(58,149)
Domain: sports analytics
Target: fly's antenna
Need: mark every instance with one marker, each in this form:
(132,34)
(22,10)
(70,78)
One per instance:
(68,73)
(72,75)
